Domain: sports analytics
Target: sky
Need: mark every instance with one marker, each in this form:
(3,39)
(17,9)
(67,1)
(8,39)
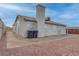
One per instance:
(64,13)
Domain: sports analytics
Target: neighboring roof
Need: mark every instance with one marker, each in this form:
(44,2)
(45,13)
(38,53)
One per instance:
(72,27)
(1,23)
(32,19)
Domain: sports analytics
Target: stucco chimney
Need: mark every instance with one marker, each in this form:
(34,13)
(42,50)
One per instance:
(40,17)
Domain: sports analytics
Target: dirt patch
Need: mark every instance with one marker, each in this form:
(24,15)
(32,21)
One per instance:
(48,46)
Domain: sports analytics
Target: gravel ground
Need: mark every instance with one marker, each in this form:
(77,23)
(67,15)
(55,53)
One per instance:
(63,46)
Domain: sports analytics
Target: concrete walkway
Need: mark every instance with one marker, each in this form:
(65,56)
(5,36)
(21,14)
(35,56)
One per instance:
(13,41)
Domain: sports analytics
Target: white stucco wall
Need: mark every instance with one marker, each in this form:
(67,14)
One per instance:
(27,26)
(0,33)
(54,30)
(61,30)
(2,28)
(49,29)
(24,26)
(15,28)
(40,17)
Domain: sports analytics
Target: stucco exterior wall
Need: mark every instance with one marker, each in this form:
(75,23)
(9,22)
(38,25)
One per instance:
(50,30)
(54,30)
(61,30)
(40,17)
(21,27)
(2,29)
(27,26)
(0,33)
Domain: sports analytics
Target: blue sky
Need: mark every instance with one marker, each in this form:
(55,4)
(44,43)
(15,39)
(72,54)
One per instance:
(65,13)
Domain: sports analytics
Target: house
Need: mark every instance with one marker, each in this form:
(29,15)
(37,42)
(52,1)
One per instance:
(72,30)
(2,28)
(40,26)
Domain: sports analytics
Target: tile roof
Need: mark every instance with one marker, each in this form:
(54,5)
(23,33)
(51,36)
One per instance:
(72,27)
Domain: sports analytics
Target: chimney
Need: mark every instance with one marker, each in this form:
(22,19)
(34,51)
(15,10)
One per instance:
(40,17)
(47,19)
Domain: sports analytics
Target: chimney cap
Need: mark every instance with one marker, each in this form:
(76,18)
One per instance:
(40,5)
